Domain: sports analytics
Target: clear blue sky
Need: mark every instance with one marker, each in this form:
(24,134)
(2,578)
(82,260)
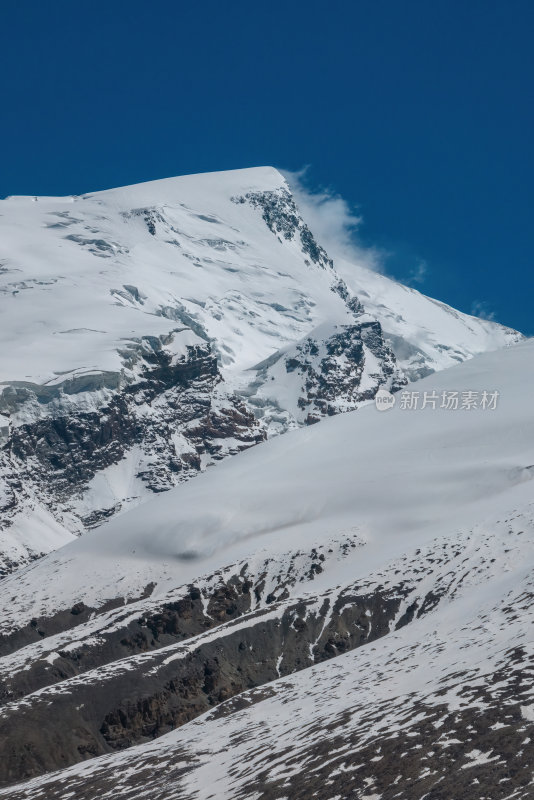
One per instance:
(420,112)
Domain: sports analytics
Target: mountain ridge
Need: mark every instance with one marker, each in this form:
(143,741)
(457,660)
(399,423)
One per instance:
(155,329)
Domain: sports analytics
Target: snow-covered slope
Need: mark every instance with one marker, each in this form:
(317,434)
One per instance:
(152,330)
(425,334)
(440,708)
(384,557)
(181,241)
(356,469)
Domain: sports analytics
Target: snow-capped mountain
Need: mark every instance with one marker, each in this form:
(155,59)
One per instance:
(341,612)
(152,330)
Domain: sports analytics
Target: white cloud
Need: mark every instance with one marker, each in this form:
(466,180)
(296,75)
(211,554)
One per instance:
(336,225)
(480,308)
(417,275)
(333,222)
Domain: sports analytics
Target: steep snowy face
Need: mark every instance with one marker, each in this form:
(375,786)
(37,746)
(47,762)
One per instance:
(152,330)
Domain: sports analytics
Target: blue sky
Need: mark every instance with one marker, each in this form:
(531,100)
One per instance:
(419,114)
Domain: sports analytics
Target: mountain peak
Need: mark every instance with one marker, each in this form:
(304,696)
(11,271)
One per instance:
(201,184)
(163,326)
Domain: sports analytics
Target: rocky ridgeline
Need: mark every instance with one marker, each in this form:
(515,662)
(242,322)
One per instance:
(282,217)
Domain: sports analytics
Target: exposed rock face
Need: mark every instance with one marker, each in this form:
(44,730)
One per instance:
(334,370)
(337,374)
(111,677)
(175,416)
(117,676)
(282,217)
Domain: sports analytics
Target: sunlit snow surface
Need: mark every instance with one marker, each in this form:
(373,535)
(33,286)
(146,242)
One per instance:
(182,242)
(71,260)
(443,495)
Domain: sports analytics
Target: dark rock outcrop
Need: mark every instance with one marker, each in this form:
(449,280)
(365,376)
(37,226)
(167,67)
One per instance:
(175,412)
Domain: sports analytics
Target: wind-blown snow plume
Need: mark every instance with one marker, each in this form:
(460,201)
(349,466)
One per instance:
(334,223)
